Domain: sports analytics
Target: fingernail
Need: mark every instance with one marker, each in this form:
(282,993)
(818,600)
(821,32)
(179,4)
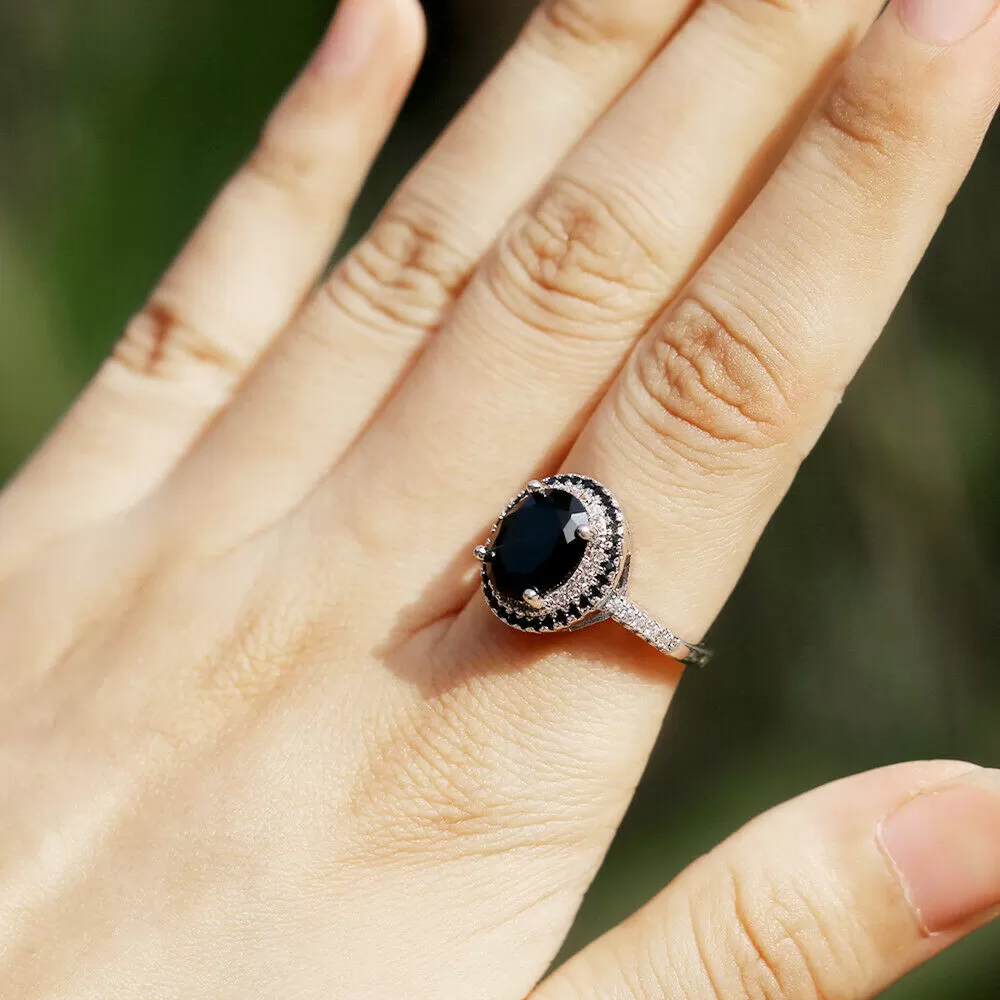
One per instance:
(350,39)
(945,847)
(944,22)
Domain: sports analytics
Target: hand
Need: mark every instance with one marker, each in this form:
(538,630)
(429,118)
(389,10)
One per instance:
(261,735)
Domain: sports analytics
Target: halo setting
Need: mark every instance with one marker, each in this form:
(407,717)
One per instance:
(558,559)
(555,555)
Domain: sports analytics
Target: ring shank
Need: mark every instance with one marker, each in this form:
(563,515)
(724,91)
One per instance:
(640,623)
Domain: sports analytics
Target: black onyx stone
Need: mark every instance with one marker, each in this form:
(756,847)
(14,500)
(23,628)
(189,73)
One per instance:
(536,547)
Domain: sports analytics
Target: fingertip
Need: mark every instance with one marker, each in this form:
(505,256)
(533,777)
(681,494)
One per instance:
(351,39)
(411,26)
(944,846)
(406,41)
(371,36)
(943,22)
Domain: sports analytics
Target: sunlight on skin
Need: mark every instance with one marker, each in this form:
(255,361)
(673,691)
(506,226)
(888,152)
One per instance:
(262,736)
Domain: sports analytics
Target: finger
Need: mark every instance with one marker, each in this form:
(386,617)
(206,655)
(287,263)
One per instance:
(580,274)
(836,894)
(551,733)
(709,421)
(353,340)
(244,272)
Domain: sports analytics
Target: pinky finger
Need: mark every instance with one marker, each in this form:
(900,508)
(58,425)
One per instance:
(836,894)
(258,251)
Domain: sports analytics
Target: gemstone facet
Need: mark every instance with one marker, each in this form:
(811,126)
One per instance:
(536,546)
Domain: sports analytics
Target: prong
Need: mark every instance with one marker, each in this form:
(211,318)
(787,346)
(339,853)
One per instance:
(585,533)
(533,599)
(482,553)
(536,487)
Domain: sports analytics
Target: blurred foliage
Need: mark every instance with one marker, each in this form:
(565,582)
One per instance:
(866,628)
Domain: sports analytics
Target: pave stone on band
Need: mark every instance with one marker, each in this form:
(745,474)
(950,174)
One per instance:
(557,559)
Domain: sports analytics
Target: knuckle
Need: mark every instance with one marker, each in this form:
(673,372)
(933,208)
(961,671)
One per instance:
(240,664)
(442,778)
(239,674)
(766,935)
(598,22)
(752,11)
(297,146)
(869,119)
(159,344)
(399,278)
(278,162)
(417,786)
(711,383)
(575,265)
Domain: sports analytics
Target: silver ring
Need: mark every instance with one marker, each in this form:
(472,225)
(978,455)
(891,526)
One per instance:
(557,559)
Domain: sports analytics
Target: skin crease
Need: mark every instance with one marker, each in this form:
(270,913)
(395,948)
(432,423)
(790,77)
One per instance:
(255,743)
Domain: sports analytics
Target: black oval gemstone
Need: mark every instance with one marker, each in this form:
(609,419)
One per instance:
(536,547)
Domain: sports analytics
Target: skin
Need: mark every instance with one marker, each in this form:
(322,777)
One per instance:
(261,735)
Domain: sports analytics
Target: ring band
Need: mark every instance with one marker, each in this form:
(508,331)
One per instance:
(557,559)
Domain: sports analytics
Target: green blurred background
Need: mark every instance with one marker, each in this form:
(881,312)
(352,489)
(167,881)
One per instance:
(866,630)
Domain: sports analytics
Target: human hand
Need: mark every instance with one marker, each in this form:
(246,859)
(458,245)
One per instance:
(262,737)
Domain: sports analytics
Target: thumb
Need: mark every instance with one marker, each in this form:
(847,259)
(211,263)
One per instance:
(836,894)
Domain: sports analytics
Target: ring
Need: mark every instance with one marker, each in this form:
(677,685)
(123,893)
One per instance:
(557,559)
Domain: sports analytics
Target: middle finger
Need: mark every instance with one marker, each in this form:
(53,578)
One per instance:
(579,275)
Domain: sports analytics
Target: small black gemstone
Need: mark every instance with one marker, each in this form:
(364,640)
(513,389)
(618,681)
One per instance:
(562,618)
(536,547)
(548,622)
(584,601)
